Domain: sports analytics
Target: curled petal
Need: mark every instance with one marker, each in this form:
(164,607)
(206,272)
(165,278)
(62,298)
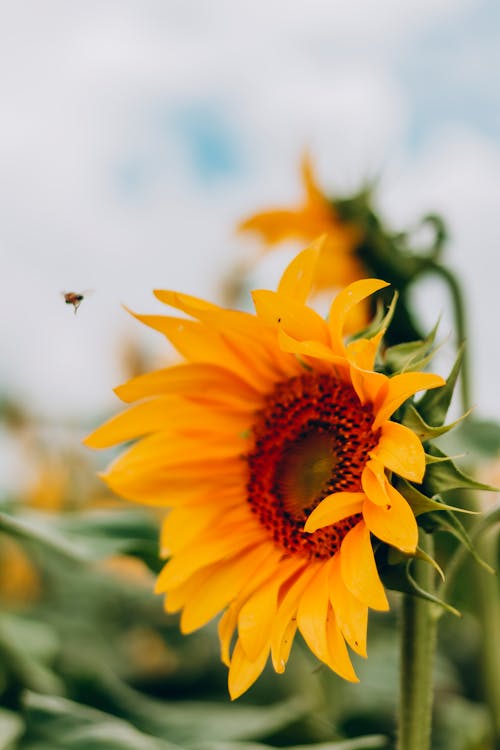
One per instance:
(400,450)
(393,523)
(334,508)
(244,671)
(402,387)
(343,304)
(298,277)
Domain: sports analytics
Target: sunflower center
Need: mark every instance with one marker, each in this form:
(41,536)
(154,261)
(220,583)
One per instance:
(312,438)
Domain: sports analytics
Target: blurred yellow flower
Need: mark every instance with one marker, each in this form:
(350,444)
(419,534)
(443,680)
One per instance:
(272,444)
(316,215)
(19,579)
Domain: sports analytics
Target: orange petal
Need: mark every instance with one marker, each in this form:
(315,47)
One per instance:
(334,508)
(338,656)
(293,317)
(183,565)
(351,614)
(244,671)
(225,629)
(189,378)
(286,614)
(362,352)
(374,482)
(312,613)
(314,193)
(314,349)
(370,386)
(393,523)
(221,587)
(359,571)
(402,387)
(400,450)
(298,276)
(344,303)
(257,615)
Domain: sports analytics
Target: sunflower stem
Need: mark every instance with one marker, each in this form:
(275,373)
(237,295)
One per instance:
(486,585)
(488,613)
(457,300)
(418,643)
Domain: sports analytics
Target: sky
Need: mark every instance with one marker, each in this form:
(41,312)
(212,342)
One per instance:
(134,135)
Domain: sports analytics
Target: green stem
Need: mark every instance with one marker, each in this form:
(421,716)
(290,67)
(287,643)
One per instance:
(485,584)
(418,645)
(488,613)
(460,325)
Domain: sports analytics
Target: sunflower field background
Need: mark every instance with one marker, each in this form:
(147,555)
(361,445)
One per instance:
(141,144)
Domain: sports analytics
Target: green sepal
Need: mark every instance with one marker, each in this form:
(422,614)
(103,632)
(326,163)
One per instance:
(416,423)
(420,503)
(394,570)
(411,356)
(423,594)
(447,521)
(380,320)
(434,404)
(422,555)
(443,475)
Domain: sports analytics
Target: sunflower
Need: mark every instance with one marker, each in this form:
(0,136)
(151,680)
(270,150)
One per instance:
(338,264)
(273,446)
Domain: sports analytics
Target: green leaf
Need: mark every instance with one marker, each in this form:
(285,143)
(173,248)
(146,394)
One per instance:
(11,728)
(25,648)
(448,521)
(370,742)
(434,404)
(39,530)
(420,503)
(411,356)
(60,724)
(380,321)
(444,475)
(414,420)
(423,594)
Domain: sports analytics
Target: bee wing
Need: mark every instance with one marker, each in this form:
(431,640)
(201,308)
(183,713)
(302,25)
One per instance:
(87,292)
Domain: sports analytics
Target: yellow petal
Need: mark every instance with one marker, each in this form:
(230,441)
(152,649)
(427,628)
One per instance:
(344,303)
(183,565)
(256,616)
(374,482)
(243,671)
(314,193)
(312,613)
(220,587)
(362,352)
(359,571)
(393,523)
(370,386)
(400,388)
(338,656)
(286,614)
(351,614)
(185,302)
(297,279)
(314,349)
(334,508)
(225,629)
(400,450)
(280,648)
(187,379)
(293,317)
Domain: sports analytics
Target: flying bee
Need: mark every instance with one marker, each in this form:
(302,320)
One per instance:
(75,298)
